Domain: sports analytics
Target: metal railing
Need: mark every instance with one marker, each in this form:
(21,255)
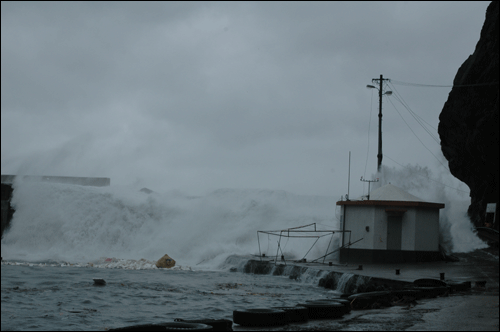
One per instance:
(298,232)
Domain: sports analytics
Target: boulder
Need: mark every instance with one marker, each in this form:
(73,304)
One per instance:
(165,262)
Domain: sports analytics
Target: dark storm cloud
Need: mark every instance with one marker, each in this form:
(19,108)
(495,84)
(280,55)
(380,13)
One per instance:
(217,94)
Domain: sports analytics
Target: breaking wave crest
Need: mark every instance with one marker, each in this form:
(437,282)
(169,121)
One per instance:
(82,225)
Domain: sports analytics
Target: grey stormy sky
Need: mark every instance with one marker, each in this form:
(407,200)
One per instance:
(200,96)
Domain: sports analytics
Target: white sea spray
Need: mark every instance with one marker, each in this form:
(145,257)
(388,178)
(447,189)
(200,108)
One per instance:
(80,225)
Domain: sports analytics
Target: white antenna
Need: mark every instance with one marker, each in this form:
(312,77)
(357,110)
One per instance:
(348,177)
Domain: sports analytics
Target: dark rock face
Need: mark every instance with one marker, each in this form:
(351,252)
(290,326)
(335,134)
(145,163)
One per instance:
(468,125)
(7,210)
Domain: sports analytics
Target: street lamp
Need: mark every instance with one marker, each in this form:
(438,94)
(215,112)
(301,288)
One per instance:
(380,94)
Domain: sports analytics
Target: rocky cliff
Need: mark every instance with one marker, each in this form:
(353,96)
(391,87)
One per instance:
(468,125)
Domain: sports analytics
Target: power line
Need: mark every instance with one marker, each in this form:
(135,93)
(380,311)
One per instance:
(417,136)
(408,107)
(415,115)
(419,121)
(427,176)
(441,86)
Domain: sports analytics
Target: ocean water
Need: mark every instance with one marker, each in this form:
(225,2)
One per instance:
(63,236)
(64,298)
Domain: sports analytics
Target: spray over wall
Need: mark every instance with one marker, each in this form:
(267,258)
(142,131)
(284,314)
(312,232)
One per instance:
(74,223)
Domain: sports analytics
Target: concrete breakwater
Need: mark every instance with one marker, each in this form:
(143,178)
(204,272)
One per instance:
(319,274)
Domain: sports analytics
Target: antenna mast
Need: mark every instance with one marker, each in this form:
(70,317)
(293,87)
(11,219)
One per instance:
(369,182)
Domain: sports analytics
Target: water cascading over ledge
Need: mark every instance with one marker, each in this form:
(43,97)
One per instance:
(337,281)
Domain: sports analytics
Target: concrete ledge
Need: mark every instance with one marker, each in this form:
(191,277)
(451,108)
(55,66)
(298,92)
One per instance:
(82,181)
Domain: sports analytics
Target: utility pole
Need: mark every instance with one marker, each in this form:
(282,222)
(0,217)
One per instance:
(380,94)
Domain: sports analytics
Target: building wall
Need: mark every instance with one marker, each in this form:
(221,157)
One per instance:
(357,218)
(419,228)
(408,229)
(381,224)
(427,230)
(380,229)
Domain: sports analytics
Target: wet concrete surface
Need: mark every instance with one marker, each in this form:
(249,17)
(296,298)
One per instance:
(476,309)
(471,313)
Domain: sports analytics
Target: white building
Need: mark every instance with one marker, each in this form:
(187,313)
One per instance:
(394,226)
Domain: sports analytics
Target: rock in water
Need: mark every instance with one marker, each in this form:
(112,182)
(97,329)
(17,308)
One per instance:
(165,262)
(99,282)
(468,123)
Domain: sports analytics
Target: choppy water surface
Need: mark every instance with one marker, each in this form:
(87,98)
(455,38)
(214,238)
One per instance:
(64,298)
